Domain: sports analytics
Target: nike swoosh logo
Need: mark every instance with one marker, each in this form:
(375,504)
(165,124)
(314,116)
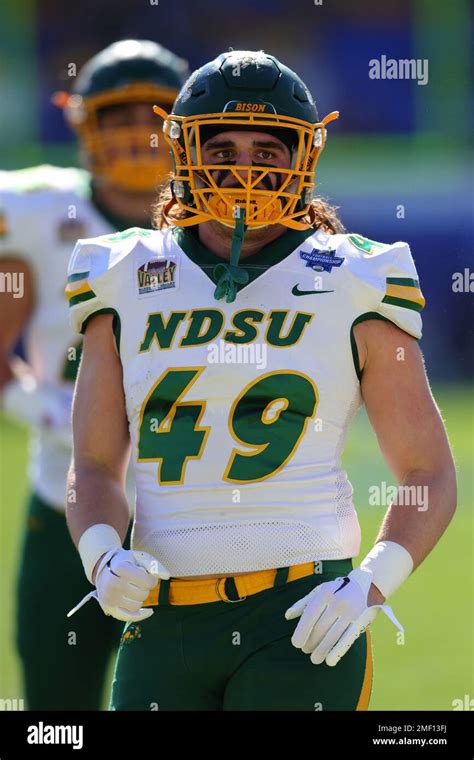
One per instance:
(297,292)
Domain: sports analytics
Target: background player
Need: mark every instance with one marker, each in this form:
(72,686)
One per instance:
(44,210)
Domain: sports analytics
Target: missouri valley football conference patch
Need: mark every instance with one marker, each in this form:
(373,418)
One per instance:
(158,274)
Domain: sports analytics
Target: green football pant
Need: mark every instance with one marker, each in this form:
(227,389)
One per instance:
(64,660)
(236,656)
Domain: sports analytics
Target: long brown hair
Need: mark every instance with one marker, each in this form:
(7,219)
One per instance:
(321,215)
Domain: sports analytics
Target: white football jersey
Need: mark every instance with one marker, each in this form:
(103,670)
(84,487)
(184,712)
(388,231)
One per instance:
(238,412)
(43,211)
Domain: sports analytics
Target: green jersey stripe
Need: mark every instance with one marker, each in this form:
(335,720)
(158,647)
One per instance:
(81,298)
(407,281)
(402,302)
(77,276)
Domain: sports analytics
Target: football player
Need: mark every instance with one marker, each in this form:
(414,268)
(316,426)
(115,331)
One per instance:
(240,590)
(44,210)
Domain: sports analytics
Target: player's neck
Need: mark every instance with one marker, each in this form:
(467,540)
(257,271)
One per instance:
(133,209)
(217,238)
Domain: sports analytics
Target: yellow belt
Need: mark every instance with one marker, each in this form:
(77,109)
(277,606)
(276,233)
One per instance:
(204,590)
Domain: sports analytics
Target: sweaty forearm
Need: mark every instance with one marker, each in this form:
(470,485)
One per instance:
(421,511)
(94,496)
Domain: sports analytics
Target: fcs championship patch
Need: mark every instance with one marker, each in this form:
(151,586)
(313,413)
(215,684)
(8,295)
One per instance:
(158,274)
(321,261)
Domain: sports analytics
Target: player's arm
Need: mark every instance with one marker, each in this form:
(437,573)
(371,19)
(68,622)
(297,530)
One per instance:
(97,508)
(413,440)
(411,436)
(100,433)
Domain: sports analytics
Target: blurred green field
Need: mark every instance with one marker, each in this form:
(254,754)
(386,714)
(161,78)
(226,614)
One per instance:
(435,664)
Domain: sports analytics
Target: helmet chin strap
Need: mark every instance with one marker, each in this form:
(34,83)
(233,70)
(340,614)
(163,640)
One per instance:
(229,275)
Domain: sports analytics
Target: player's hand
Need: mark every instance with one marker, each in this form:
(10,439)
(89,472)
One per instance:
(123,581)
(333,616)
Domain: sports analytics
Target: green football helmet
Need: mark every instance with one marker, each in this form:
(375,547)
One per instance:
(129,71)
(244,90)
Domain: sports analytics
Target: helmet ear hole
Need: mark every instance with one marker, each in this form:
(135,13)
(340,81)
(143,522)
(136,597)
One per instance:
(305,199)
(180,190)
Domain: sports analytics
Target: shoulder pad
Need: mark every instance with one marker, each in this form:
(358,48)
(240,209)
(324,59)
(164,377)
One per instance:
(95,268)
(388,272)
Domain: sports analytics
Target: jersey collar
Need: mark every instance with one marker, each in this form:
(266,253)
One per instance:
(256,265)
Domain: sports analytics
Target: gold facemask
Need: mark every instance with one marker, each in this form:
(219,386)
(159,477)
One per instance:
(194,183)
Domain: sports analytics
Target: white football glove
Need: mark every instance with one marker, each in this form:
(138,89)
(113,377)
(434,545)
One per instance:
(334,615)
(123,580)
